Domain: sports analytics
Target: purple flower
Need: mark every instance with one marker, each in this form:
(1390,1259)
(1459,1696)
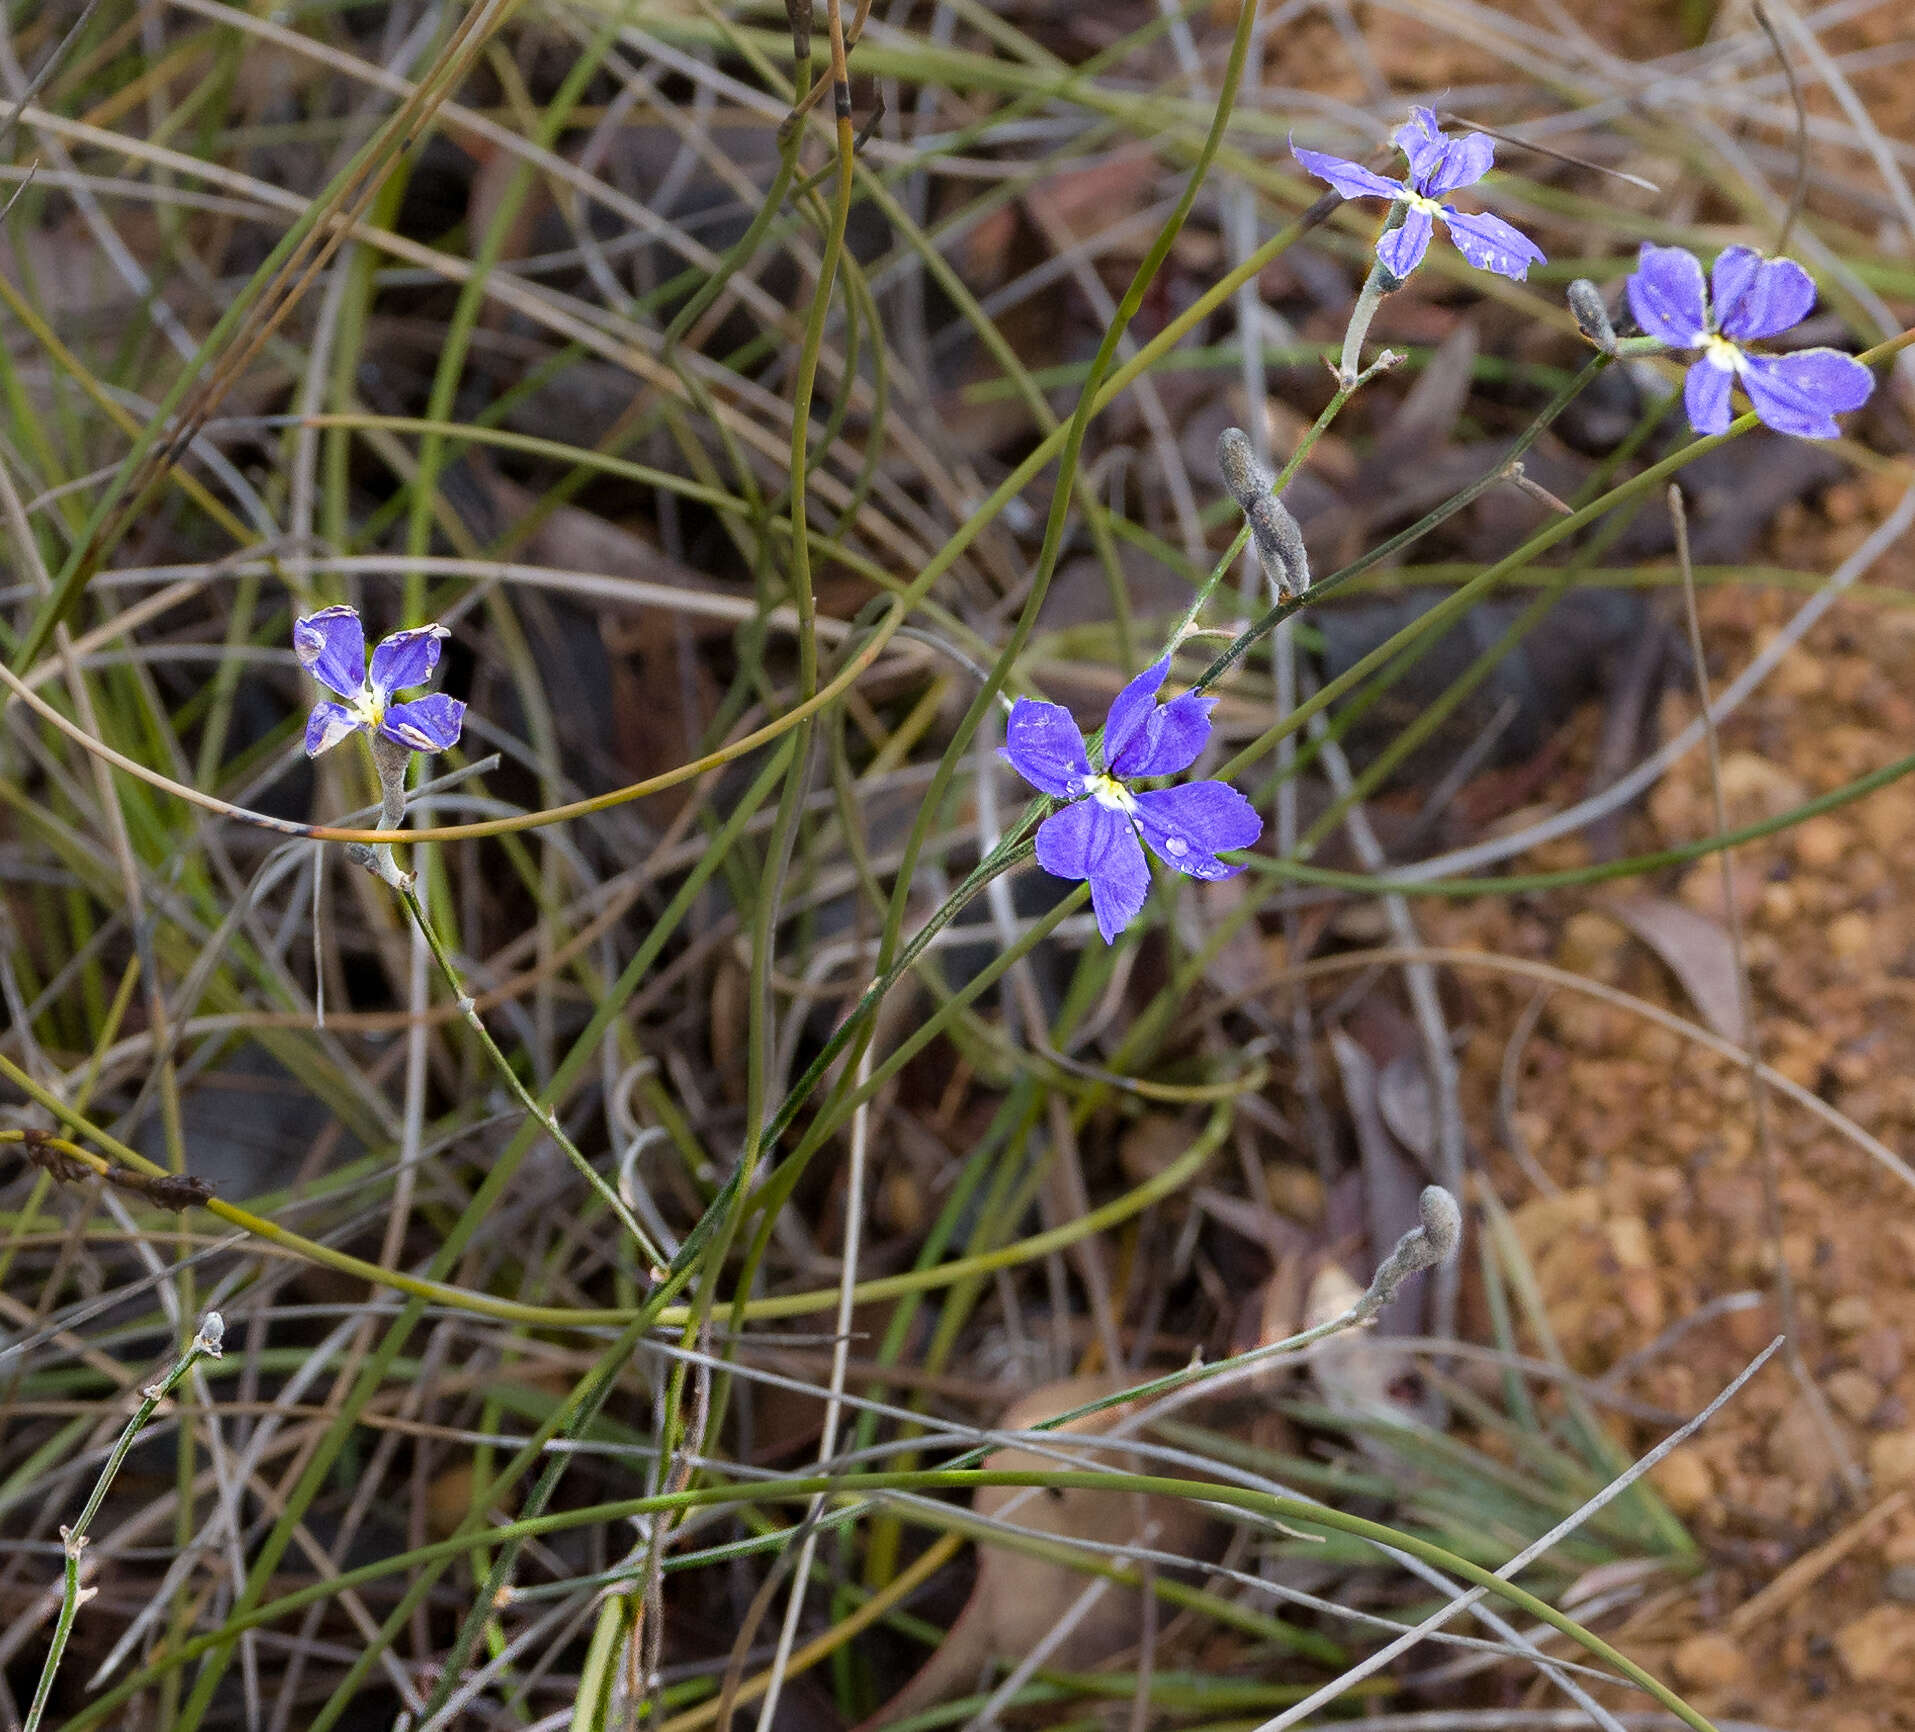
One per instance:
(1096,837)
(1754,297)
(1438,166)
(331,646)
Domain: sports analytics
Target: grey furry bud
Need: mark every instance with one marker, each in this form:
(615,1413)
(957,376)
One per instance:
(1592,314)
(1442,1221)
(1280,550)
(1423,1247)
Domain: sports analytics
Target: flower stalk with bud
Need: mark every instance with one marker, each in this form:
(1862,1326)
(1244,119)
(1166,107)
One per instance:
(207,1343)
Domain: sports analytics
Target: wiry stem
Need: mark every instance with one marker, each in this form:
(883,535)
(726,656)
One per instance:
(655,1260)
(392,761)
(204,1345)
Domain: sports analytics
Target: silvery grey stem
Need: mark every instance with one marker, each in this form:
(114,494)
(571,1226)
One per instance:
(1380,282)
(391,760)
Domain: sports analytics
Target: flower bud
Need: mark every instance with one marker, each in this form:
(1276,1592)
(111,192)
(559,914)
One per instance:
(1592,315)
(1280,549)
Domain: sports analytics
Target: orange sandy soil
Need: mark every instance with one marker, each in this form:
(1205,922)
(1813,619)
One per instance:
(1650,1137)
(1661,1203)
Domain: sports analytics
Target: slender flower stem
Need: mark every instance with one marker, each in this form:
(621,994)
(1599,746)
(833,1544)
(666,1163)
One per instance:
(1186,624)
(655,1260)
(204,1345)
(1376,285)
(1261,627)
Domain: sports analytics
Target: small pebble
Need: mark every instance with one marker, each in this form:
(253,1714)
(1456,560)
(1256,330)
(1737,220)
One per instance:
(1710,1662)
(1891,1460)
(1856,1394)
(1879,1647)
(1685,1482)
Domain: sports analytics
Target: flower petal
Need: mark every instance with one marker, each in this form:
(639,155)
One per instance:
(1666,295)
(1130,715)
(1186,827)
(1422,141)
(427,724)
(1464,162)
(1045,748)
(1095,841)
(328,725)
(1705,394)
(1800,393)
(1351,179)
(1173,738)
(1401,250)
(1491,244)
(407,658)
(331,646)
(1757,297)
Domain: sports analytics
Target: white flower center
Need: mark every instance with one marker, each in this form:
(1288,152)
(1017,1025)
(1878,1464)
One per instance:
(1108,791)
(1428,206)
(1720,352)
(368,705)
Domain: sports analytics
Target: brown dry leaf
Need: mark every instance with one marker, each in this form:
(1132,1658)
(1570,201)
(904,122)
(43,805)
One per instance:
(1098,195)
(448,1500)
(1273,1313)
(573,539)
(1408,1105)
(1018,1600)
(1426,419)
(72,274)
(1150,1145)
(652,731)
(1698,952)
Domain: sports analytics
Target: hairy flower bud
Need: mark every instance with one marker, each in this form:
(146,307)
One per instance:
(1592,314)
(1280,550)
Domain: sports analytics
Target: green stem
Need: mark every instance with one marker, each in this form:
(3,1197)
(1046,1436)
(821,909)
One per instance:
(547,1117)
(1267,1505)
(204,1345)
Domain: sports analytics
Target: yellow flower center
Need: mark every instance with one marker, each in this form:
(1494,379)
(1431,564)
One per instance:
(1720,352)
(1108,791)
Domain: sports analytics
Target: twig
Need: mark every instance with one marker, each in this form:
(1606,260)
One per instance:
(67,1163)
(1810,1569)
(1507,1081)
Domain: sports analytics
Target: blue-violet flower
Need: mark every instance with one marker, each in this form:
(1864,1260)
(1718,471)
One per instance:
(1096,836)
(1753,297)
(331,646)
(1438,167)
